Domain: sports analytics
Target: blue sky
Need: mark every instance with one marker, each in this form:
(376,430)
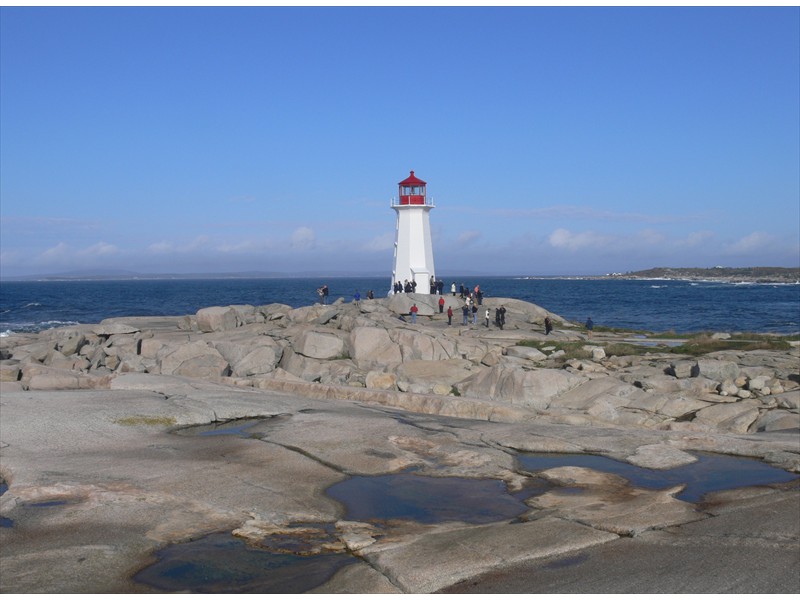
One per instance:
(555,141)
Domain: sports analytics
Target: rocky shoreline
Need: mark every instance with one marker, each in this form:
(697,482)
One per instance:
(90,414)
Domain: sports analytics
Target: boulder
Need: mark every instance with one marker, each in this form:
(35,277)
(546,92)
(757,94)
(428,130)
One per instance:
(259,361)
(71,345)
(110,327)
(517,386)
(217,318)
(316,344)
(718,370)
(526,352)
(422,376)
(192,359)
(736,417)
(372,346)
(776,420)
(417,345)
(381,381)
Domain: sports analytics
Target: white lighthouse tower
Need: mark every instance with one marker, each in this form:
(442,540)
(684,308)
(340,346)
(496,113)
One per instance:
(413,251)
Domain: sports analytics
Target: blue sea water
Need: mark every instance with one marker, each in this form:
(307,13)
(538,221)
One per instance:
(651,305)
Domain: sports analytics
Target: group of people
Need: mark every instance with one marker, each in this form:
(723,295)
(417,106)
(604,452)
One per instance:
(323,292)
(472,299)
(409,287)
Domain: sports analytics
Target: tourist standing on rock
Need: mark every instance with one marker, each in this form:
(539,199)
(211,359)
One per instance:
(441,304)
(474,314)
(432,286)
(589,327)
(413,311)
(487,317)
(548,326)
(357,298)
(465,312)
(502,316)
(440,287)
(497,317)
(453,289)
(323,294)
(370,295)
(450,315)
(479,296)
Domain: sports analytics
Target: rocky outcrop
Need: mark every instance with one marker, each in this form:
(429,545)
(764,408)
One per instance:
(373,346)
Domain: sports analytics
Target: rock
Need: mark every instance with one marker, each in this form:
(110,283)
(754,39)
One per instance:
(776,420)
(381,381)
(609,503)
(217,318)
(259,361)
(727,388)
(323,346)
(757,383)
(110,327)
(526,352)
(372,346)
(9,371)
(421,376)
(718,370)
(660,456)
(736,417)
(682,369)
(192,359)
(515,386)
(71,345)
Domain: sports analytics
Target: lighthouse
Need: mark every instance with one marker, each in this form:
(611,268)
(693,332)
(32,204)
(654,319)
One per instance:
(413,251)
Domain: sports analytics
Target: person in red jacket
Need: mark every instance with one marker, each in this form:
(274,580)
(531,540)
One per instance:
(413,311)
(441,304)
(449,315)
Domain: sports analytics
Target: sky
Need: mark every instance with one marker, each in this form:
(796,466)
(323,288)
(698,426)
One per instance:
(554,141)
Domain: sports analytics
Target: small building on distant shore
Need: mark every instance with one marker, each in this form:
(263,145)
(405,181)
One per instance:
(413,250)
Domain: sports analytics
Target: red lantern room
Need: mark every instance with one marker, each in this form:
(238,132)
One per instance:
(412,190)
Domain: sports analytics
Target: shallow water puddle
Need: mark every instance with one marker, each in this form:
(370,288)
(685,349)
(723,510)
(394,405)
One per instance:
(711,472)
(413,497)
(222,563)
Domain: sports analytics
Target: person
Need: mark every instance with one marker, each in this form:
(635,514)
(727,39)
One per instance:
(441,304)
(370,295)
(413,285)
(323,294)
(440,287)
(479,296)
(432,287)
(453,288)
(474,314)
(548,326)
(414,310)
(487,317)
(502,316)
(465,311)
(356,298)
(449,315)
(497,317)
(407,288)
(589,327)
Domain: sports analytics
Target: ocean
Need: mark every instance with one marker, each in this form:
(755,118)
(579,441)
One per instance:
(650,305)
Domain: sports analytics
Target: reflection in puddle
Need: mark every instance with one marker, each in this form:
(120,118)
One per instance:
(221,563)
(237,427)
(711,472)
(5,521)
(427,499)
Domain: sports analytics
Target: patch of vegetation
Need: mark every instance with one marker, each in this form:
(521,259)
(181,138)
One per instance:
(695,345)
(136,420)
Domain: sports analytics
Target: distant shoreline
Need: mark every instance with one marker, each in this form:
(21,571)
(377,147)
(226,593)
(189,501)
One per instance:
(753,275)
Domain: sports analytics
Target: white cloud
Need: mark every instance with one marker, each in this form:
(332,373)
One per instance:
(99,249)
(756,241)
(566,240)
(303,238)
(467,237)
(380,243)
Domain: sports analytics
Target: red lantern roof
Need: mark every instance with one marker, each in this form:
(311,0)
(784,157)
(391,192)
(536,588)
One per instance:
(412,180)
